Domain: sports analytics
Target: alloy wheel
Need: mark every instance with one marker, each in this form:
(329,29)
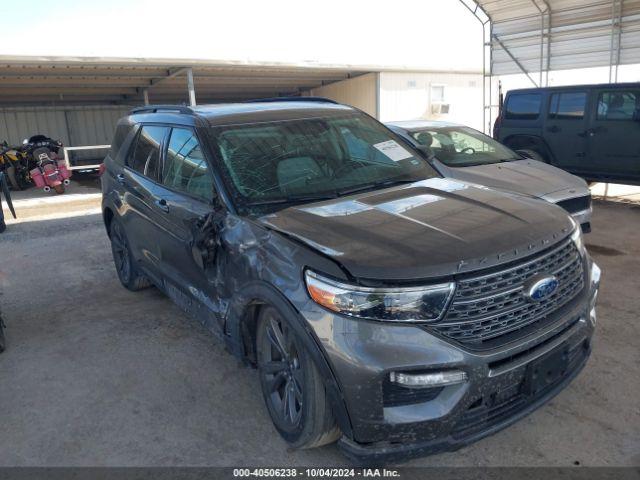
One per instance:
(282,373)
(121,254)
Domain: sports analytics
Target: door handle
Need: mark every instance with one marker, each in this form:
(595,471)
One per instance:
(162,205)
(553,129)
(589,132)
(120,179)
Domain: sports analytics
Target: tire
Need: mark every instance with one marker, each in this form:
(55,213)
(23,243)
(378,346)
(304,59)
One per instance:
(59,189)
(127,271)
(13,180)
(292,387)
(3,226)
(533,155)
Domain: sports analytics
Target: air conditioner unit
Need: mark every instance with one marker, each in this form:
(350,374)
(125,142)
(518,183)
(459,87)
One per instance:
(439,108)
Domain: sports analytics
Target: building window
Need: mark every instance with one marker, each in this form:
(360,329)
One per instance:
(437,93)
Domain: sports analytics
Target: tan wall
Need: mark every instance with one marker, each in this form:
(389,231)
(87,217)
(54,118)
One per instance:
(360,92)
(407,96)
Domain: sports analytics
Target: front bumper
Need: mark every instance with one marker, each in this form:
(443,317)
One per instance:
(364,353)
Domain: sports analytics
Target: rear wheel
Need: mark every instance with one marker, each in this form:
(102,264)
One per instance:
(291,384)
(128,273)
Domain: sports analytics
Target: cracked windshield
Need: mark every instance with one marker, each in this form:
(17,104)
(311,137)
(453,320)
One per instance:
(285,161)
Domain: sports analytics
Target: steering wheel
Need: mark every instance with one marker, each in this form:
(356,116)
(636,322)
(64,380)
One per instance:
(468,150)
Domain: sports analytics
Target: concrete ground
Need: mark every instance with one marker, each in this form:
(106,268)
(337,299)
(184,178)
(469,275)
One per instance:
(97,375)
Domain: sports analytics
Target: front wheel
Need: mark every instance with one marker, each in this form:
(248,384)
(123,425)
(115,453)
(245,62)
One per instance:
(291,384)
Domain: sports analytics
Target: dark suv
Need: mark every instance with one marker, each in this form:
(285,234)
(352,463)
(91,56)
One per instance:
(382,304)
(592,131)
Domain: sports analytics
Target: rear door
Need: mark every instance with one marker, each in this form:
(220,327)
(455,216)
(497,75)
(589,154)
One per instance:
(139,184)
(614,136)
(565,128)
(185,198)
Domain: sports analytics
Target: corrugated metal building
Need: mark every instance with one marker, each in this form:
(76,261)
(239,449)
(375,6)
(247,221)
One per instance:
(74,125)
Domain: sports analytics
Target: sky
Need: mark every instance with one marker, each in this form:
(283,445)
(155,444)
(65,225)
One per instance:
(431,34)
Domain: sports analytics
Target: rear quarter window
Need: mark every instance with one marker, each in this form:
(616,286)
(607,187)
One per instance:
(119,136)
(523,106)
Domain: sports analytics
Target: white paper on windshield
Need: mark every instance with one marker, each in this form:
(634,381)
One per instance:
(392,150)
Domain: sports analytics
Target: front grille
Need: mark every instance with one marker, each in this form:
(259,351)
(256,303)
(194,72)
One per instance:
(577,204)
(490,307)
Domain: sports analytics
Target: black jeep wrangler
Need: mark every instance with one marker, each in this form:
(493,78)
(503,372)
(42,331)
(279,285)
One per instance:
(592,131)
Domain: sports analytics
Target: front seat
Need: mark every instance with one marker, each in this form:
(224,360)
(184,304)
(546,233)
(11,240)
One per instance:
(294,173)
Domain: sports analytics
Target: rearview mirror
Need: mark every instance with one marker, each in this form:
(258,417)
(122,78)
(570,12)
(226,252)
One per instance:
(424,149)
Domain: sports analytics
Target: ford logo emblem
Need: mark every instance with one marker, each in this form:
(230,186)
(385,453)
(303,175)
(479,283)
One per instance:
(539,288)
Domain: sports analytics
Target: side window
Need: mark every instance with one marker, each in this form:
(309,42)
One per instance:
(118,138)
(145,158)
(185,168)
(523,106)
(567,105)
(619,105)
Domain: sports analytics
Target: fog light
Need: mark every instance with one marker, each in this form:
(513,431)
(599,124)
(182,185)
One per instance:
(436,379)
(595,284)
(595,275)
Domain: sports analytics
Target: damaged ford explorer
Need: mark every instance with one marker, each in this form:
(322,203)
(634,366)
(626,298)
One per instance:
(386,307)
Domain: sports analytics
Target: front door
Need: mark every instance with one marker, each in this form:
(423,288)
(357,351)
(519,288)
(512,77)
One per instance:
(565,129)
(614,136)
(186,198)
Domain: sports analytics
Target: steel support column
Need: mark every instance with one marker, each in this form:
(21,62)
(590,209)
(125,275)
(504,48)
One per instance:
(191,87)
(616,38)
(487,56)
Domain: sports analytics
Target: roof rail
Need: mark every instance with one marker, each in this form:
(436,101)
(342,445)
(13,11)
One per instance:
(157,108)
(292,99)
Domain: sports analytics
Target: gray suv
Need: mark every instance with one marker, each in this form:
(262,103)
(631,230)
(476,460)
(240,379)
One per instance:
(386,307)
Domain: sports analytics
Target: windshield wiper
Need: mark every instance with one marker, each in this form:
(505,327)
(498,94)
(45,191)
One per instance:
(373,186)
(294,199)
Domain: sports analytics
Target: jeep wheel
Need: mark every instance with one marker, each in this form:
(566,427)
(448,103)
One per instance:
(291,385)
(128,273)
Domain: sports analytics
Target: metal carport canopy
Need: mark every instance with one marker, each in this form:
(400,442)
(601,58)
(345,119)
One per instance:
(95,80)
(541,35)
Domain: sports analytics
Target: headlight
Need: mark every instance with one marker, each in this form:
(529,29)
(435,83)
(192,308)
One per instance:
(411,304)
(577,238)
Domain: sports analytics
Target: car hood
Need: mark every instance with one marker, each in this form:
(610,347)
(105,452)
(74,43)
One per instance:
(432,228)
(528,177)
